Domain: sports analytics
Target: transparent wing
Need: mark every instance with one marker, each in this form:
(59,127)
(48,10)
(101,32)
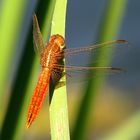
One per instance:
(95,47)
(37,37)
(88,56)
(78,67)
(81,68)
(82,74)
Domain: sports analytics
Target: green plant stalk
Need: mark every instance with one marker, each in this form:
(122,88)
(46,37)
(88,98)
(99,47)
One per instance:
(129,130)
(22,89)
(9,32)
(108,30)
(58,105)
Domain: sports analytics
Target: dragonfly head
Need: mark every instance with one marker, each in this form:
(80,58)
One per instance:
(58,39)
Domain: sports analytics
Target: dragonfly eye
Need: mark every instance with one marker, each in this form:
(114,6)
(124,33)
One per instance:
(58,39)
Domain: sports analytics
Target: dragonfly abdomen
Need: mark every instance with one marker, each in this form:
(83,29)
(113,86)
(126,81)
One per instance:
(38,96)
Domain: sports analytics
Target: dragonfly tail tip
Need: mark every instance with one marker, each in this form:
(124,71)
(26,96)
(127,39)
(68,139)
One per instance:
(27,125)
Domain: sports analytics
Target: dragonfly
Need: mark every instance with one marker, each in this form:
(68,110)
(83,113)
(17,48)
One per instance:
(51,56)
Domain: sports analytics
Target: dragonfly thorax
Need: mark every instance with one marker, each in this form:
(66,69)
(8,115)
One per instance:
(51,55)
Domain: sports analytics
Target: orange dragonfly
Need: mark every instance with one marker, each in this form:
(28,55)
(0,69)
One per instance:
(50,57)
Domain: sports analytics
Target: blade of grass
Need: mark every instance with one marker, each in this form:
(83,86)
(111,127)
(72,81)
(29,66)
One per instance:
(10,30)
(22,87)
(58,105)
(108,31)
(129,130)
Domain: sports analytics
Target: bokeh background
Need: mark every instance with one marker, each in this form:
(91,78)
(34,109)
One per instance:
(116,106)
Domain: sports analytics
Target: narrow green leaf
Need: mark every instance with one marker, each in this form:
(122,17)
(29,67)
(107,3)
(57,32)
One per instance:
(9,33)
(58,106)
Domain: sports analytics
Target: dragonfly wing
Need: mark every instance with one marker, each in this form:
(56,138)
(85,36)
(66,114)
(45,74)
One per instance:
(37,37)
(83,69)
(95,47)
(80,72)
(76,74)
(98,69)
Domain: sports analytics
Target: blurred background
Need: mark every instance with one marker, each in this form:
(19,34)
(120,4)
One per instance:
(116,104)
